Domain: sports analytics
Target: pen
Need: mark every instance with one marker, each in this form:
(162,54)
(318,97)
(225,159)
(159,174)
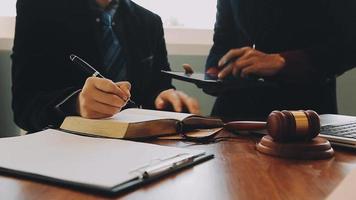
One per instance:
(85,66)
(89,69)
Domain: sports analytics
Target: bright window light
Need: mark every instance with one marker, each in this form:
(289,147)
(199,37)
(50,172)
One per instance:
(195,14)
(7,7)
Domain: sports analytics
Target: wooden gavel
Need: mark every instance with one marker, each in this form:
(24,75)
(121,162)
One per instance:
(283,126)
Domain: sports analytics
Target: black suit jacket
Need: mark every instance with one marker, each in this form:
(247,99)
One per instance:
(317,38)
(47,32)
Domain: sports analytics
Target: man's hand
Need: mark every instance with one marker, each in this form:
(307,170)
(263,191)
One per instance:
(178,100)
(246,61)
(102,98)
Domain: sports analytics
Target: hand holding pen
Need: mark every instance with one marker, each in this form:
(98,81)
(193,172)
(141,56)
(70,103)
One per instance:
(248,61)
(100,97)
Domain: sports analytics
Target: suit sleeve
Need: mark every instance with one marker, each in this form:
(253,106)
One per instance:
(160,62)
(35,86)
(226,35)
(336,55)
(316,63)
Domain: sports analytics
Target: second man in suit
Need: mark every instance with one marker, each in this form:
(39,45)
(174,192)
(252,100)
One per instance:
(300,49)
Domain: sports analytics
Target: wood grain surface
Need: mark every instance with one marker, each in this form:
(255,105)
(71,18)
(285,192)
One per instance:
(238,171)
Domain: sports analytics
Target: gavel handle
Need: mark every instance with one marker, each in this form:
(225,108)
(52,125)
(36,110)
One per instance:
(245,125)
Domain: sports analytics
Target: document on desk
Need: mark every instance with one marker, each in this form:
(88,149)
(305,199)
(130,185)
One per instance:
(346,189)
(107,165)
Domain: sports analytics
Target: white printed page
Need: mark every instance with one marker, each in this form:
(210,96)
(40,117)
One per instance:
(94,161)
(133,115)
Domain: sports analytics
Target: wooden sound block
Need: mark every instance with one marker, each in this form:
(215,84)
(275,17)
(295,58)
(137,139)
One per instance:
(317,148)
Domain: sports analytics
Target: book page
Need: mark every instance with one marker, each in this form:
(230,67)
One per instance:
(133,115)
(118,125)
(92,161)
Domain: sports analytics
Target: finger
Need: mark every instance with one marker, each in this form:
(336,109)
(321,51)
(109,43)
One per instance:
(253,69)
(173,98)
(103,108)
(225,72)
(125,86)
(159,103)
(212,71)
(94,115)
(234,53)
(249,54)
(108,98)
(108,86)
(241,64)
(191,103)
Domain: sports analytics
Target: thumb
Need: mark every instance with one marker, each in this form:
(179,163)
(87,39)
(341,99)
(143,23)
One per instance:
(125,86)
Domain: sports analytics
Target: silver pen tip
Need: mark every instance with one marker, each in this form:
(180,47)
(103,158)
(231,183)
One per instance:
(72,57)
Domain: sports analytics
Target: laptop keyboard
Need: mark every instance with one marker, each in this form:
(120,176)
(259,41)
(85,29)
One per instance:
(346,130)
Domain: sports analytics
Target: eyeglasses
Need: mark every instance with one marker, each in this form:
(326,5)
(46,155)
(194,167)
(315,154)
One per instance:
(209,135)
(201,135)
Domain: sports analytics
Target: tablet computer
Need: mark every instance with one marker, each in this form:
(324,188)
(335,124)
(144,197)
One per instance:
(200,79)
(211,84)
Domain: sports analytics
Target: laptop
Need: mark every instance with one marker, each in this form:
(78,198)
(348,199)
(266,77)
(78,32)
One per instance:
(339,129)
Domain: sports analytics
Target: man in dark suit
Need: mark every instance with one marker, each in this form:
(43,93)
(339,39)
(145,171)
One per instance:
(122,40)
(300,49)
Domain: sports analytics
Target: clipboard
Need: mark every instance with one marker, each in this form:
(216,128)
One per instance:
(149,170)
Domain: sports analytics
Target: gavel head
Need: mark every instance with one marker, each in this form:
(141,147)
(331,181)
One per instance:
(286,126)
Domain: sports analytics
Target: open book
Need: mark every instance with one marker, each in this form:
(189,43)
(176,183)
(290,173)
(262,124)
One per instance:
(139,123)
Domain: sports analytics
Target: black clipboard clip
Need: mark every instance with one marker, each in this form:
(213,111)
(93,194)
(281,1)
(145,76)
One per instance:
(160,166)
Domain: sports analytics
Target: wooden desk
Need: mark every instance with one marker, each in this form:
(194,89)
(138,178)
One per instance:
(238,171)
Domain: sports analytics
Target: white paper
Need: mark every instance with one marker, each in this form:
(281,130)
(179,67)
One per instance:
(95,161)
(346,189)
(133,115)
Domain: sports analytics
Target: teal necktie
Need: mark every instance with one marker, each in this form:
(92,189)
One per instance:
(114,61)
